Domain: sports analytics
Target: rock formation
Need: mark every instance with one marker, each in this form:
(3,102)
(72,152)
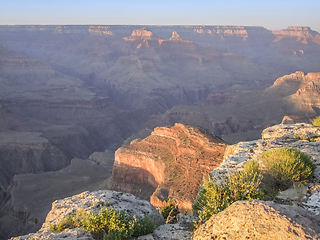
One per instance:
(260,220)
(139,34)
(91,201)
(102,30)
(240,114)
(295,119)
(176,38)
(283,135)
(169,164)
(303,34)
(27,152)
(144,37)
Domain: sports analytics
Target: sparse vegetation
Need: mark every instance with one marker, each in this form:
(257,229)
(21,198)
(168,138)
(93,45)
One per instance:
(316,122)
(287,165)
(303,137)
(170,211)
(241,185)
(108,223)
(284,165)
(186,212)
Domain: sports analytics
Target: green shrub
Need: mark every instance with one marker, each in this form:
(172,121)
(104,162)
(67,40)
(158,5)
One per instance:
(303,137)
(66,222)
(316,122)
(170,212)
(109,223)
(288,164)
(144,226)
(241,185)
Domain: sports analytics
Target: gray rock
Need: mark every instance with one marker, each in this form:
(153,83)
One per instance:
(91,201)
(282,135)
(260,220)
(171,232)
(68,234)
(180,230)
(297,193)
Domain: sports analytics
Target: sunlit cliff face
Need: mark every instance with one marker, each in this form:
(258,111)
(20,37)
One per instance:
(173,161)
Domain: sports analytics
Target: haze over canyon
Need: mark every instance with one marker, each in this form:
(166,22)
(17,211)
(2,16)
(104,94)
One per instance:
(70,96)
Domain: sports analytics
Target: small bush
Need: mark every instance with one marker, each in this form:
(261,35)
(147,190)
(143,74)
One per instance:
(241,185)
(303,137)
(170,212)
(212,199)
(144,226)
(288,164)
(316,122)
(109,223)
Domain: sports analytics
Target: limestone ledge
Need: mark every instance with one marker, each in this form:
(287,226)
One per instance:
(282,135)
(91,201)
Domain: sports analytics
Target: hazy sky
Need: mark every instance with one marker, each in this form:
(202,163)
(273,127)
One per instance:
(272,14)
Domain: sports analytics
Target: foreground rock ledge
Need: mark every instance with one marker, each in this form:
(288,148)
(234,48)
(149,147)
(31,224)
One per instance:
(260,220)
(90,201)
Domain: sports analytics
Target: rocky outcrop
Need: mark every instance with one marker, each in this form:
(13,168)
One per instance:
(141,34)
(303,34)
(147,39)
(90,201)
(260,220)
(179,230)
(273,137)
(171,163)
(228,31)
(176,38)
(120,201)
(223,31)
(101,30)
(283,135)
(200,118)
(292,119)
(290,79)
(297,79)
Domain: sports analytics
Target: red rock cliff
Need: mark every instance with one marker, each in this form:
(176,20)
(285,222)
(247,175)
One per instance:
(171,163)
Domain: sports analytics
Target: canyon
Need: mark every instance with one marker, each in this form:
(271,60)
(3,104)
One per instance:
(295,210)
(71,95)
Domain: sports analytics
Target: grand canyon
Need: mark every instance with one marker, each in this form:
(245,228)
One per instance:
(147,110)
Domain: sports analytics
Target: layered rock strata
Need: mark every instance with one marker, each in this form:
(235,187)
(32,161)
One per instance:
(303,34)
(169,164)
(27,152)
(28,198)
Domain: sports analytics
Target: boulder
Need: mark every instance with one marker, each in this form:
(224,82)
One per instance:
(260,220)
(179,230)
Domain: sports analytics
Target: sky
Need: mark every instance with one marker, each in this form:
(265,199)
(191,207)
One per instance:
(272,14)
